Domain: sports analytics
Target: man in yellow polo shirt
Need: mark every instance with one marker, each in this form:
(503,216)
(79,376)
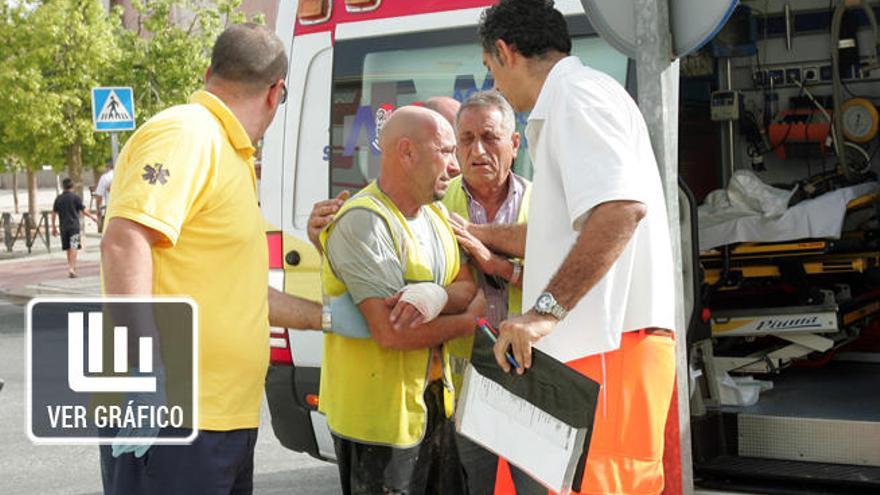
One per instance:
(185,221)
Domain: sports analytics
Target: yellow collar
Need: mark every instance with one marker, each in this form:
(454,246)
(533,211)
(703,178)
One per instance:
(237,135)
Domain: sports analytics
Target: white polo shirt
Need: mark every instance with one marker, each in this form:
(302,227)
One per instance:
(103,187)
(589,145)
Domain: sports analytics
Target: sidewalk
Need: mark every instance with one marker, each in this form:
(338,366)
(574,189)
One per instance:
(23,277)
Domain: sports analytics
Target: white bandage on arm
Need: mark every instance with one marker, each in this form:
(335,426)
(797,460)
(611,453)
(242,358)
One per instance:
(427,297)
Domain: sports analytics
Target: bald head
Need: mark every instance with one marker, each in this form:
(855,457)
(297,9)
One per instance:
(418,146)
(445,106)
(249,55)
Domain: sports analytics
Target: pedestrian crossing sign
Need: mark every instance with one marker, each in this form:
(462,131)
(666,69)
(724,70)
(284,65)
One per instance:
(113,109)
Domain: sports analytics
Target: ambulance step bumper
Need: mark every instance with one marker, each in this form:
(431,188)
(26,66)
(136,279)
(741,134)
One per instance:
(809,439)
(755,475)
(830,414)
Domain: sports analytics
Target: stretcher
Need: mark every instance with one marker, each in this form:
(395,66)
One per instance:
(820,217)
(737,273)
(772,304)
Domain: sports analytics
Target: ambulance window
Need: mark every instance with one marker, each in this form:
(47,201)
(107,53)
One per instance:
(374,76)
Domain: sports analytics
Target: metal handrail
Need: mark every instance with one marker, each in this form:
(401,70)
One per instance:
(25,229)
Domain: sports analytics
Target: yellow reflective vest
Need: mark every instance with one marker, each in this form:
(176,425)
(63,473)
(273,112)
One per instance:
(456,201)
(369,393)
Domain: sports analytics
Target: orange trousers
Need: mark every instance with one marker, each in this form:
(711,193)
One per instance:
(626,449)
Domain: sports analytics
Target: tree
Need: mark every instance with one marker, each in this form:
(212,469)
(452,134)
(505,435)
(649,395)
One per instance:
(7,163)
(30,112)
(166,54)
(55,51)
(74,46)
(10,165)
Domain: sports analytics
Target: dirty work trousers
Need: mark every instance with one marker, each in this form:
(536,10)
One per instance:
(432,467)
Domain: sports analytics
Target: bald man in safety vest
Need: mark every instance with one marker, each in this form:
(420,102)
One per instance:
(388,397)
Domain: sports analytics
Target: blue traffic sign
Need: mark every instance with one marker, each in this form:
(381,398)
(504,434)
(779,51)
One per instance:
(113,109)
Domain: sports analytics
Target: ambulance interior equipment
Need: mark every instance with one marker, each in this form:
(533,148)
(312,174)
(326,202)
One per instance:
(785,342)
(790,314)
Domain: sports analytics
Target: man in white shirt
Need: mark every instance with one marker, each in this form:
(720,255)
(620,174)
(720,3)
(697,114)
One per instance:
(102,191)
(600,276)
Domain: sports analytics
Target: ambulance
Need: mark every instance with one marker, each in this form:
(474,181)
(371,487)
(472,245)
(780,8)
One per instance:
(351,63)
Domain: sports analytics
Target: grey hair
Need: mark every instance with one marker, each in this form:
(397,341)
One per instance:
(490,99)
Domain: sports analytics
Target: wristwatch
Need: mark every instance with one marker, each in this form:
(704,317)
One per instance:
(547,305)
(326,317)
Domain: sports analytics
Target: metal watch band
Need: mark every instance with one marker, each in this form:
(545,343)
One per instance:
(517,272)
(326,318)
(558,311)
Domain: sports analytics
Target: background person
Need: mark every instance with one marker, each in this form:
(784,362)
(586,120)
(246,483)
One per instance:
(102,193)
(185,220)
(68,207)
(448,108)
(599,269)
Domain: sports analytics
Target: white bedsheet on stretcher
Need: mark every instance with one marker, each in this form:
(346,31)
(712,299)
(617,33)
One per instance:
(820,217)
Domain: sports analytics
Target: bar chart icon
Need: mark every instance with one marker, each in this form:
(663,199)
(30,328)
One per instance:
(77,379)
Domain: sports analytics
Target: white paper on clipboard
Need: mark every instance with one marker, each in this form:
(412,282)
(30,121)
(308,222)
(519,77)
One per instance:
(541,445)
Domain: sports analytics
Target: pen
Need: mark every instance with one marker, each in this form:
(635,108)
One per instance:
(490,332)
(484,322)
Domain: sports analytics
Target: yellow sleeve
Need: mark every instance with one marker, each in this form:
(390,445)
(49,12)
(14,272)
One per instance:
(162,172)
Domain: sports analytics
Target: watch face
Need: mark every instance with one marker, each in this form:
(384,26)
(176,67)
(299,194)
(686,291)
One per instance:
(544,303)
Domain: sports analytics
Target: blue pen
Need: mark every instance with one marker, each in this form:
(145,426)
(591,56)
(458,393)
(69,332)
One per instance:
(487,329)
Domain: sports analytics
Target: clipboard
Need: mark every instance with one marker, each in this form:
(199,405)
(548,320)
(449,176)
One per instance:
(541,421)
